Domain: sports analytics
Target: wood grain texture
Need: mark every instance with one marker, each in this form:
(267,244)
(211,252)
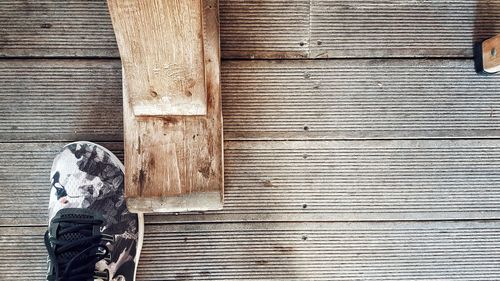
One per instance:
(80,28)
(60,99)
(450,251)
(341,99)
(56,28)
(161,45)
(491,54)
(264,28)
(400,28)
(268,28)
(175,163)
(305,181)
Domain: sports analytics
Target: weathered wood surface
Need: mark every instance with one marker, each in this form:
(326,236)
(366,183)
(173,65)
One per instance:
(268,28)
(311,180)
(292,251)
(173,148)
(306,181)
(341,99)
(161,45)
(491,54)
(400,28)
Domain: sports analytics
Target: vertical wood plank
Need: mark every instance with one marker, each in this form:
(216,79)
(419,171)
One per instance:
(161,47)
(174,163)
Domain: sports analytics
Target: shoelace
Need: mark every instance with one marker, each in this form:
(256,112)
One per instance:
(89,250)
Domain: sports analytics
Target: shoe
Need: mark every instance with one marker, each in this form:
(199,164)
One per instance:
(92,235)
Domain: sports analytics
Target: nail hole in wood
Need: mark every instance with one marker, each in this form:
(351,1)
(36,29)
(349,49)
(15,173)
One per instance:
(306,128)
(304,206)
(154,94)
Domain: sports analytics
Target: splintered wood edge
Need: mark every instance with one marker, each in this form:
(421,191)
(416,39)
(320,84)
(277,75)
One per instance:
(206,201)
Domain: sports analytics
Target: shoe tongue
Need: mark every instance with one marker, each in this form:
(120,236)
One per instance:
(72,236)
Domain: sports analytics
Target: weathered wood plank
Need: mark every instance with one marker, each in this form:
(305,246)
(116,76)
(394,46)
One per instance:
(268,28)
(341,99)
(80,28)
(61,99)
(162,50)
(400,28)
(306,181)
(173,159)
(56,28)
(264,28)
(292,251)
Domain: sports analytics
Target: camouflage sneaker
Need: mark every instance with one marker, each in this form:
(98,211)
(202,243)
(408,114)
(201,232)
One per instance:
(92,235)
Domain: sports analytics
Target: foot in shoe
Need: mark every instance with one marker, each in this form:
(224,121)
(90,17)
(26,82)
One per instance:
(92,235)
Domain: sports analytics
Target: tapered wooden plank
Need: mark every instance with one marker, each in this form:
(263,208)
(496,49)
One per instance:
(341,99)
(161,47)
(306,181)
(173,157)
(443,250)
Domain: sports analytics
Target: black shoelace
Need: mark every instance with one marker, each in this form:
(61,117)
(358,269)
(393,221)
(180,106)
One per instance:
(77,250)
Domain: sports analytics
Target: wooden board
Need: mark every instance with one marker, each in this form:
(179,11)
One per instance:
(491,54)
(265,28)
(400,28)
(162,52)
(306,181)
(268,28)
(284,198)
(173,149)
(341,99)
(81,28)
(293,192)
(448,251)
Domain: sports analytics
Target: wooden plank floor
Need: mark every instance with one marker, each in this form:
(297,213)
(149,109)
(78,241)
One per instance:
(359,142)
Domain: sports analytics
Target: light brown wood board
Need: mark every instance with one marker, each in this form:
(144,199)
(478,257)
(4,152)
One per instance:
(161,49)
(174,162)
(491,54)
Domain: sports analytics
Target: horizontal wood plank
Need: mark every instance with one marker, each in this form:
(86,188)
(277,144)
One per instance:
(267,28)
(80,28)
(264,28)
(56,28)
(45,100)
(305,181)
(60,99)
(400,28)
(292,251)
